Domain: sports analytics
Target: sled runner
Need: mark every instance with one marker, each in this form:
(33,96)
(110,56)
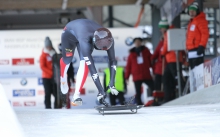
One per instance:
(128,106)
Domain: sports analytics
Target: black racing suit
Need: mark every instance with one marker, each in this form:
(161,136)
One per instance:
(79,33)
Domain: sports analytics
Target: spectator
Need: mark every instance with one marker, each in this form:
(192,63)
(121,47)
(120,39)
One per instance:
(138,64)
(158,65)
(197,36)
(47,72)
(63,98)
(170,73)
(120,85)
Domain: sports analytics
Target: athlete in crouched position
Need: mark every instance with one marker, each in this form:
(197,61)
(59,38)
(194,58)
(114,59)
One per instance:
(86,35)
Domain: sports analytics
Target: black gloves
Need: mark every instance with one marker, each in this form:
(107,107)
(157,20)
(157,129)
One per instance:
(200,50)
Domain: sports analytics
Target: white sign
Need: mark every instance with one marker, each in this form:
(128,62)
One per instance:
(176,39)
(20,51)
(197,78)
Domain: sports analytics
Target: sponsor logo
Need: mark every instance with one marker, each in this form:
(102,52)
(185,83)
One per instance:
(5,83)
(4,74)
(22,73)
(91,91)
(23,82)
(4,62)
(22,46)
(40,81)
(23,61)
(29,103)
(16,104)
(40,92)
(100,59)
(24,92)
(95,76)
(87,60)
(22,43)
(129,41)
(69,52)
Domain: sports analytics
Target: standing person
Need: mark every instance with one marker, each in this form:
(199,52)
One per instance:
(64,99)
(86,35)
(169,78)
(197,36)
(120,85)
(157,66)
(138,64)
(47,73)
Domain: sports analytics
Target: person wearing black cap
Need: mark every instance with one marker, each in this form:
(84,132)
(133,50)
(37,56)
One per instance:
(138,65)
(86,35)
(47,72)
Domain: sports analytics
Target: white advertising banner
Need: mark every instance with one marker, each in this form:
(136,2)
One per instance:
(197,78)
(19,63)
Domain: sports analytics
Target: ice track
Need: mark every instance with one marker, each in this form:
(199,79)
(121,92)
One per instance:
(169,121)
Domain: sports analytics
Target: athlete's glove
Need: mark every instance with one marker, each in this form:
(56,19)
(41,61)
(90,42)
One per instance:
(113,90)
(200,50)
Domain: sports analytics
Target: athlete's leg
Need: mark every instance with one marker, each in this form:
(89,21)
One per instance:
(81,75)
(68,46)
(80,79)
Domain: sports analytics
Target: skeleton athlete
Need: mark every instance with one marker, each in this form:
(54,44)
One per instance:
(86,35)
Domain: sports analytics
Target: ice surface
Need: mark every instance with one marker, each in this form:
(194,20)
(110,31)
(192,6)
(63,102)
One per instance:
(174,121)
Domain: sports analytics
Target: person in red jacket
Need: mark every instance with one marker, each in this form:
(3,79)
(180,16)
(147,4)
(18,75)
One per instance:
(157,66)
(47,72)
(197,36)
(139,64)
(170,72)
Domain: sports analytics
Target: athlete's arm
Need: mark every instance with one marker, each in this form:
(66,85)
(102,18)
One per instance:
(86,50)
(112,65)
(112,68)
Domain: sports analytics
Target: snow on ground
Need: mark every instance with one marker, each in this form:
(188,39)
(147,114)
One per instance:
(171,121)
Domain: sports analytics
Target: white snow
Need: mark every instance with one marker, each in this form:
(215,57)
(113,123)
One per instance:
(174,121)
(9,126)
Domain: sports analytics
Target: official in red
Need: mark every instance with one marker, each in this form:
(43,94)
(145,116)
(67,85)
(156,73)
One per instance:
(47,72)
(138,65)
(156,58)
(197,36)
(170,72)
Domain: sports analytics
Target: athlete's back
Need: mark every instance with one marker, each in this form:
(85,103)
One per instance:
(83,28)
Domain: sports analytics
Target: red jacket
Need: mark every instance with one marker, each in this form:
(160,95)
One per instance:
(139,71)
(157,67)
(197,32)
(46,65)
